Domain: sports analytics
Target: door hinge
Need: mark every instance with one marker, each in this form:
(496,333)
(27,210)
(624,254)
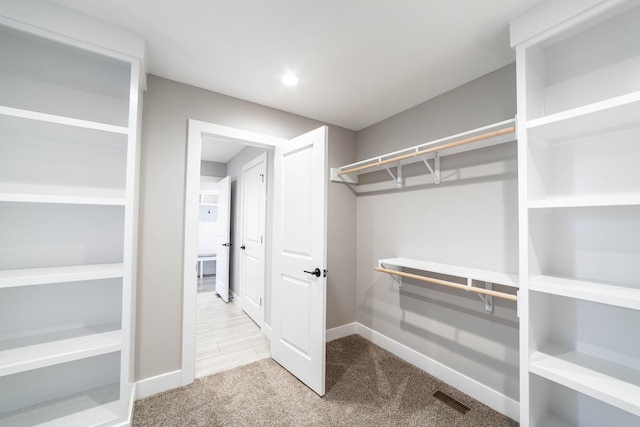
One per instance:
(260,239)
(260,302)
(262,177)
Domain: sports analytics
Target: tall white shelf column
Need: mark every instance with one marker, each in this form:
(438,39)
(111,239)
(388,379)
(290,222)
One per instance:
(579,209)
(70,99)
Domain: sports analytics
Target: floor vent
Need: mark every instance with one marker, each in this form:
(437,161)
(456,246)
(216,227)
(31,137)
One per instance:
(450,401)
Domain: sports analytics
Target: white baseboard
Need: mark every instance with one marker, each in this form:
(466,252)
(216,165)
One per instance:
(266,330)
(486,395)
(342,331)
(235,299)
(159,383)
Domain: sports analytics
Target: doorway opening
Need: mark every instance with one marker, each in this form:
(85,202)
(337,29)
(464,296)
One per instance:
(251,146)
(229,314)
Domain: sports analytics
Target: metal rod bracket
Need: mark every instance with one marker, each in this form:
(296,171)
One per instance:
(486,299)
(399,180)
(435,171)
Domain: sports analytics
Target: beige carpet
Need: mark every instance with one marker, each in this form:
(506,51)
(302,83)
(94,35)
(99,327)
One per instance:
(366,386)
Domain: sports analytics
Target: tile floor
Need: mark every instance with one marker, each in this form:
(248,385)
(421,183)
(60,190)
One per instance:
(225,336)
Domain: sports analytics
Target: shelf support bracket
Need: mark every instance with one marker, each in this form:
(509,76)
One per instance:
(435,171)
(399,180)
(486,299)
(347,179)
(397,279)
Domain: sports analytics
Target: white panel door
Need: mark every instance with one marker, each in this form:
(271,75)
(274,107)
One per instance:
(299,257)
(252,254)
(224,243)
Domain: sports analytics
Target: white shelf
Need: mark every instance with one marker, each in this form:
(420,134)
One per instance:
(617,294)
(606,381)
(63,160)
(439,147)
(61,194)
(586,201)
(454,270)
(50,74)
(33,352)
(62,120)
(89,408)
(74,273)
(609,114)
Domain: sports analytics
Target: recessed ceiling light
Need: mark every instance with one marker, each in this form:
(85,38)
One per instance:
(290,79)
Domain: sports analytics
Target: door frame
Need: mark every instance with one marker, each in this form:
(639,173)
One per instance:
(195,130)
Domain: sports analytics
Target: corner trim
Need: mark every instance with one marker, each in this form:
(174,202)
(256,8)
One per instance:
(342,331)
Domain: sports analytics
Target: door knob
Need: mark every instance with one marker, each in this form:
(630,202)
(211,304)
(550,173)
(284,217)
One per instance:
(315,272)
(226,245)
(243,247)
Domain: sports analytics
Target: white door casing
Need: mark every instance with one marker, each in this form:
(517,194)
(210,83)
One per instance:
(196,130)
(224,241)
(253,227)
(298,314)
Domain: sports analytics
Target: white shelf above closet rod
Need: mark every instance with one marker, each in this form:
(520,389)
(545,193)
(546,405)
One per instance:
(486,136)
(470,274)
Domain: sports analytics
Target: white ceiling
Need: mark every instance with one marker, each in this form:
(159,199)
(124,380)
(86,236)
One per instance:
(359,61)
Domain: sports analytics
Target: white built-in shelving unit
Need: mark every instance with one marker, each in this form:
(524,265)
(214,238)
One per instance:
(579,203)
(69,112)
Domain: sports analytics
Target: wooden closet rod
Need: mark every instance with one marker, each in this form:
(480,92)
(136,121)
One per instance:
(431,150)
(497,294)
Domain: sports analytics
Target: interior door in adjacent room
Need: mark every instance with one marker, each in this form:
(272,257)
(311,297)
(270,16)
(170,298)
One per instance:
(298,308)
(224,240)
(252,254)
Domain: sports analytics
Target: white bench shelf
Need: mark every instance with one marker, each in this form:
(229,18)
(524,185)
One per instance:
(202,259)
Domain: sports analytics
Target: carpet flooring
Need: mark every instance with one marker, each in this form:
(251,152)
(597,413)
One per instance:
(366,386)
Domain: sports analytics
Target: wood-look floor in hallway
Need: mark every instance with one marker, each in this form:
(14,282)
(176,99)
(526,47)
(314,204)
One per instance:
(225,336)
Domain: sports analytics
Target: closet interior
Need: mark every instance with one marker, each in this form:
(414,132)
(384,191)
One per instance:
(69,126)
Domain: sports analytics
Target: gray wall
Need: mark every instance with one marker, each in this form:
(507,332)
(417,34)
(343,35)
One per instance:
(470,219)
(341,235)
(213,169)
(168,106)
